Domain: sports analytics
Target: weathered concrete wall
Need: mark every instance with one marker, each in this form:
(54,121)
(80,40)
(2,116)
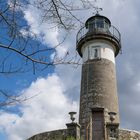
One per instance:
(61,135)
(98,90)
(52,135)
(128,135)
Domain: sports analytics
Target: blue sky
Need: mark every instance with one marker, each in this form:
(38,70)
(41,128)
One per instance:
(57,89)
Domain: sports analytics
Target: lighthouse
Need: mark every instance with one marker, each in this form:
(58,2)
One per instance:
(98,43)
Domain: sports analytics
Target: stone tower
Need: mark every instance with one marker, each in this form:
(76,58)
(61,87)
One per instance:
(98,43)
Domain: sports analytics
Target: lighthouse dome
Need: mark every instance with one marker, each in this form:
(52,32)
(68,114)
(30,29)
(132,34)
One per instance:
(98,22)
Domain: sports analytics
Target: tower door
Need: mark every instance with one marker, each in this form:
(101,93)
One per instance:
(98,125)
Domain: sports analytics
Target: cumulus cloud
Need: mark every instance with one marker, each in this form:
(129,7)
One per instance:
(45,32)
(41,113)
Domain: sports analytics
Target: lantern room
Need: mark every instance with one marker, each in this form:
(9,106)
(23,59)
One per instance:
(98,22)
(98,33)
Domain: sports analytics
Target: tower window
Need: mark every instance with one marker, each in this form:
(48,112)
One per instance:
(96,53)
(100,23)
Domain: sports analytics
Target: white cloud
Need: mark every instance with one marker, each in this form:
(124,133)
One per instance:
(41,113)
(45,32)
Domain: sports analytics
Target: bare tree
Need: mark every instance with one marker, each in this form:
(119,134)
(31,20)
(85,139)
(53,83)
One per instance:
(19,53)
(27,50)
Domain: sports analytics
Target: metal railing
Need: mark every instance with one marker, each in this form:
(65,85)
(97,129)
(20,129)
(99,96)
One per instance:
(112,32)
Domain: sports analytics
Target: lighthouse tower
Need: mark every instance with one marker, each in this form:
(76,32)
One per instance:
(98,43)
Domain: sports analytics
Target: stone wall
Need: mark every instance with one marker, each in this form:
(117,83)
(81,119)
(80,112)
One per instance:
(128,135)
(52,135)
(61,135)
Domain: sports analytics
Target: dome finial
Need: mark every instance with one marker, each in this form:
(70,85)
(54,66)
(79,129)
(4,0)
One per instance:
(97,10)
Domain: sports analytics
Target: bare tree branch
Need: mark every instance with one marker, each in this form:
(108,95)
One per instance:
(23,49)
(10,100)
